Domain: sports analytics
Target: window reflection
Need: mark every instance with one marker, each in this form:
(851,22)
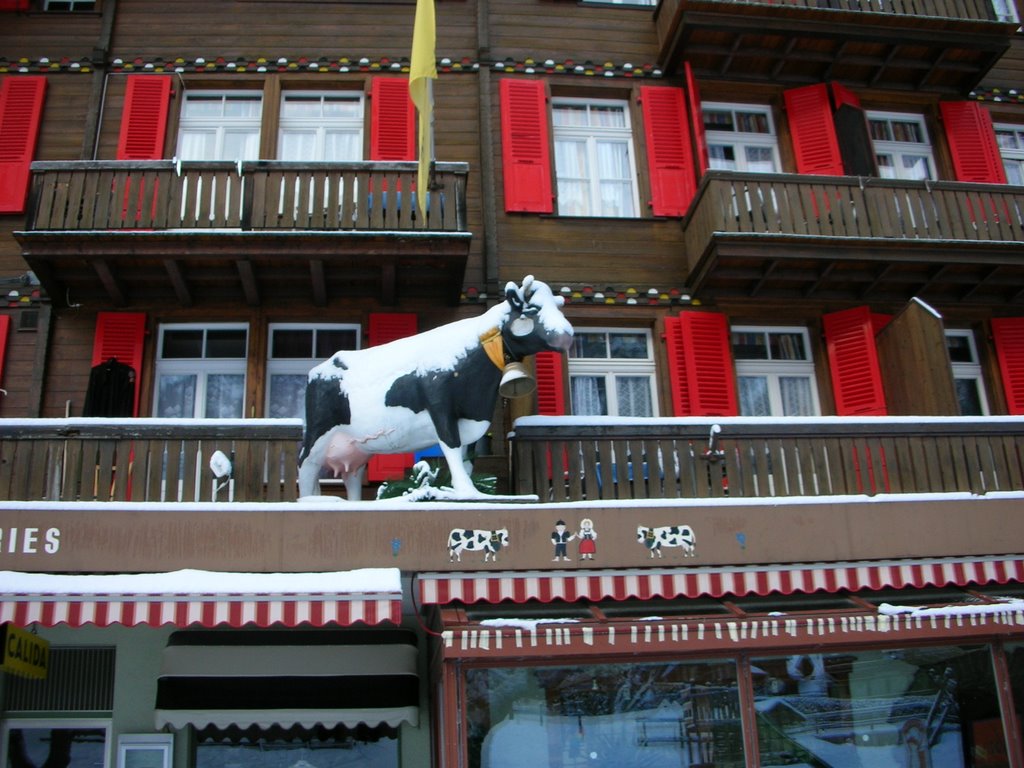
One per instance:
(605,716)
(913,706)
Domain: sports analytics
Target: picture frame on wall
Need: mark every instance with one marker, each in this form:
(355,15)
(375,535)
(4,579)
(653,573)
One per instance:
(145,750)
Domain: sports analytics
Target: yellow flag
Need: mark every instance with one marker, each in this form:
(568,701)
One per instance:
(422,73)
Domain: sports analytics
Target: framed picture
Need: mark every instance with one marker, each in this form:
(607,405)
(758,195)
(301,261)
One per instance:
(145,750)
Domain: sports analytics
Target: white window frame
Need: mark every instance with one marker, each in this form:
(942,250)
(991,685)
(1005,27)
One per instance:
(970,371)
(1010,138)
(610,368)
(56,722)
(773,371)
(739,141)
(292,366)
(647,3)
(219,126)
(898,150)
(320,126)
(202,367)
(69,6)
(592,136)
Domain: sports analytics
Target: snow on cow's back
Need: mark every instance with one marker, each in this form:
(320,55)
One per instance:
(437,349)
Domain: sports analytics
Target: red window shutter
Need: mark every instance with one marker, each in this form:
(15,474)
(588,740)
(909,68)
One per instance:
(700,145)
(700,365)
(669,152)
(392,120)
(853,358)
(121,335)
(843,95)
(388,326)
(385,327)
(550,383)
(814,135)
(147,100)
(525,146)
(972,142)
(1008,336)
(21,108)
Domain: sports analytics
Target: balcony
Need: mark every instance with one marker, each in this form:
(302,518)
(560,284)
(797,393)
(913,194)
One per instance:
(935,45)
(136,495)
(864,239)
(255,232)
(732,459)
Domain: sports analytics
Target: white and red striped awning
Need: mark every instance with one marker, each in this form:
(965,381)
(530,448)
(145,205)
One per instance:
(442,588)
(203,598)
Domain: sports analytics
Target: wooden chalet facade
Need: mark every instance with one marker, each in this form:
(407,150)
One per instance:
(768,509)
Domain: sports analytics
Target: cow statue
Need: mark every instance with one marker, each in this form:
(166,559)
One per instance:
(437,387)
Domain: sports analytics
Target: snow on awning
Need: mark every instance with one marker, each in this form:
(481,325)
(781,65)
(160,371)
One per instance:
(442,588)
(290,677)
(203,598)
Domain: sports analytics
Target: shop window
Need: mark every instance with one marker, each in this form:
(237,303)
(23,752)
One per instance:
(621,2)
(219,125)
(740,138)
(970,388)
(67,743)
(594,162)
(611,373)
(277,747)
(774,371)
(294,349)
(1006,10)
(321,127)
(898,706)
(682,713)
(1011,148)
(901,144)
(200,371)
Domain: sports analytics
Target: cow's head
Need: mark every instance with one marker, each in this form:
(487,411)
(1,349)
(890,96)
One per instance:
(535,322)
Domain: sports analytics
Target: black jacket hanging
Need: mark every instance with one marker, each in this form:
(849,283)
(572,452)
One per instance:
(111,390)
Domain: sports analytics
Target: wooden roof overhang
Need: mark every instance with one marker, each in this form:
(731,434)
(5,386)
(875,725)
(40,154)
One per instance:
(194,267)
(808,42)
(846,269)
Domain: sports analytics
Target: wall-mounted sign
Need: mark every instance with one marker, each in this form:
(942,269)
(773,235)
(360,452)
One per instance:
(23,653)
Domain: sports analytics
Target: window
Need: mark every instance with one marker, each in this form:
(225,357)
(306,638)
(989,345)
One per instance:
(774,371)
(611,373)
(623,715)
(278,747)
(970,390)
(594,158)
(200,371)
(294,349)
(740,138)
(220,126)
(1011,146)
(69,5)
(1006,10)
(897,706)
(901,145)
(625,2)
(65,742)
(321,127)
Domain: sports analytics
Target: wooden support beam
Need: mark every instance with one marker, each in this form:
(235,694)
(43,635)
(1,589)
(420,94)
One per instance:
(318,281)
(248,278)
(178,282)
(110,283)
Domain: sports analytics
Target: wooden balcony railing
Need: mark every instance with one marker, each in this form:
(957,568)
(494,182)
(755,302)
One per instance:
(566,459)
(149,460)
(259,195)
(851,207)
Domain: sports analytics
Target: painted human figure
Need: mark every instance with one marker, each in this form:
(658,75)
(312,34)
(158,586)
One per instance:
(588,539)
(560,537)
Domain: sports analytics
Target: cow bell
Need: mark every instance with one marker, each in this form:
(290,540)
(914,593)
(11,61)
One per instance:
(516,381)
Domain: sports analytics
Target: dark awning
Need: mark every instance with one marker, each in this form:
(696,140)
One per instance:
(288,677)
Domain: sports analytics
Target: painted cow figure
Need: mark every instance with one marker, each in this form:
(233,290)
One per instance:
(437,387)
(471,540)
(667,536)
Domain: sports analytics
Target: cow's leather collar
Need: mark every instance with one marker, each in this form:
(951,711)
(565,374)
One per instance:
(494,347)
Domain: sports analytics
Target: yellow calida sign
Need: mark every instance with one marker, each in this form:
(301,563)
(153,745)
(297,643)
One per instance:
(23,653)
